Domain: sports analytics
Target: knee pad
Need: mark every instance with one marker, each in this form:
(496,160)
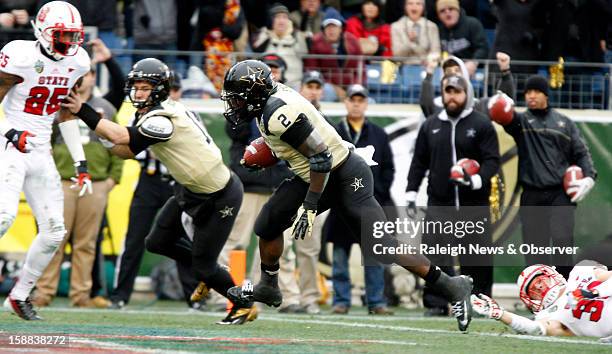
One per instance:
(6,220)
(51,234)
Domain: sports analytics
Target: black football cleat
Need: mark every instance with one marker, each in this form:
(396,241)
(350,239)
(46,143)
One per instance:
(265,293)
(461,306)
(238,315)
(241,296)
(23,309)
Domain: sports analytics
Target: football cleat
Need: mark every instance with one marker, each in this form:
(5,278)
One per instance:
(200,292)
(265,293)
(239,315)
(23,309)
(461,307)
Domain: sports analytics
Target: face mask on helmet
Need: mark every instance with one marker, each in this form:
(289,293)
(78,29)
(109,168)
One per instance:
(540,286)
(246,89)
(66,41)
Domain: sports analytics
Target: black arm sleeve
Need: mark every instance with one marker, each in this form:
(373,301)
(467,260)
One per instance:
(580,152)
(507,85)
(426,98)
(489,148)
(115,94)
(139,142)
(298,132)
(420,160)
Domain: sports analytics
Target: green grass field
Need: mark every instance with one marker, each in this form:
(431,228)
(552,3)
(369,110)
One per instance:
(169,327)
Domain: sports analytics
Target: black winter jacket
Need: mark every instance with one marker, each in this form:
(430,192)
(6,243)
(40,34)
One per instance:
(548,143)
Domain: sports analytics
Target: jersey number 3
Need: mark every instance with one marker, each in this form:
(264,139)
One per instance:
(42,101)
(592,307)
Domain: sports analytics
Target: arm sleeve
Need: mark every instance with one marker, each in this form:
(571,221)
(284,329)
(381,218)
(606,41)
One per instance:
(426,97)
(489,148)
(507,84)
(115,94)
(524,325)
(72,137)
(420,161)
(138,141)
(580,152)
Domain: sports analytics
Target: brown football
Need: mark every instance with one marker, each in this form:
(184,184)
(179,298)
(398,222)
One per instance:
(258,153)
(498,113)
(573,173)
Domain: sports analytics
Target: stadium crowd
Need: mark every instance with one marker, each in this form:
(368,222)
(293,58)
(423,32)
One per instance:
(296,38)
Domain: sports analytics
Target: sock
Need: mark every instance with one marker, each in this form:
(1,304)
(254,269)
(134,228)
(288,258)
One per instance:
(37,259)
(270,270)
(433,274)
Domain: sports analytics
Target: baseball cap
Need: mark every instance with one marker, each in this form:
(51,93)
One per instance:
(356,90)
(455,81)
(273,60)
(313,76)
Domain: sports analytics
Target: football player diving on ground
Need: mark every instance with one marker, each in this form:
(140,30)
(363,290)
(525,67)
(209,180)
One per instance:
(328,175)
(205,188)
(580,306)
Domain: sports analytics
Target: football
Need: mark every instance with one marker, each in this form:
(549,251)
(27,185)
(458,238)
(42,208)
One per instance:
(258,153)
(498,111)
(470,166)
(573,173)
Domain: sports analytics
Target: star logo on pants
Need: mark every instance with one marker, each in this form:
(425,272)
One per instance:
(357,184)
(227,211)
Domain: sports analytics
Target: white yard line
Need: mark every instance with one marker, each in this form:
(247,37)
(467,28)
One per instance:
(323,321)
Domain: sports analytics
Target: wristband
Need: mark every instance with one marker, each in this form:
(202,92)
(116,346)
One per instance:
(89,116)
(312,200)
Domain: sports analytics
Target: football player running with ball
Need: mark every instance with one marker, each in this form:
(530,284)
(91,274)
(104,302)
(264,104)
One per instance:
(35,76)
(205,188)
(328,175)
(580,306)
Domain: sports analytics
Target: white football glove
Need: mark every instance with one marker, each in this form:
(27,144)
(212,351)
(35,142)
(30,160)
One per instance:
(485,306)
(82,179)
(581,187)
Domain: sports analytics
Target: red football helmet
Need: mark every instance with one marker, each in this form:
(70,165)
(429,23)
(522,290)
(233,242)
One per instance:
(59,29)
(540,286)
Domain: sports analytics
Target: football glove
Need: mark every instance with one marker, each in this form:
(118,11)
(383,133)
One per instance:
(581,187)
(302,225)
(82,180)
(459,176)
(485,306)
(578,295)
(20,139)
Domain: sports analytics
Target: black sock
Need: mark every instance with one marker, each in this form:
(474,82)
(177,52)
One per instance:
(433,274)
(270,270)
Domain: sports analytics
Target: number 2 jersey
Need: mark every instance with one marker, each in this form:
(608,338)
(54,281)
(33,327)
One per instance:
(284,111)
(592,318)
(33,103)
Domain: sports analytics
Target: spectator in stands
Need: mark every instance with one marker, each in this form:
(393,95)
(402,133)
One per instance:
(312,88)
(154,188)
(371,30)
(285,42)
(101,54)
(461,35)
(15,20)
(83,214)
(155,28)
(308,18)
(454,65)
(515,32)
(356,129)
(334,41)
(414,36)
(277,66)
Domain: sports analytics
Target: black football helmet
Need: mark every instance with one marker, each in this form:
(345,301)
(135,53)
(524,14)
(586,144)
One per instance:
(157,74)
(246,88)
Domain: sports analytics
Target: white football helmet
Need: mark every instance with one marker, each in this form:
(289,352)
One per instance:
(59,29)
(540,286)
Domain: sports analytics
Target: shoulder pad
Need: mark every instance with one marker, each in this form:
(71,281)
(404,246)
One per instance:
(157,127)
(20,54)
